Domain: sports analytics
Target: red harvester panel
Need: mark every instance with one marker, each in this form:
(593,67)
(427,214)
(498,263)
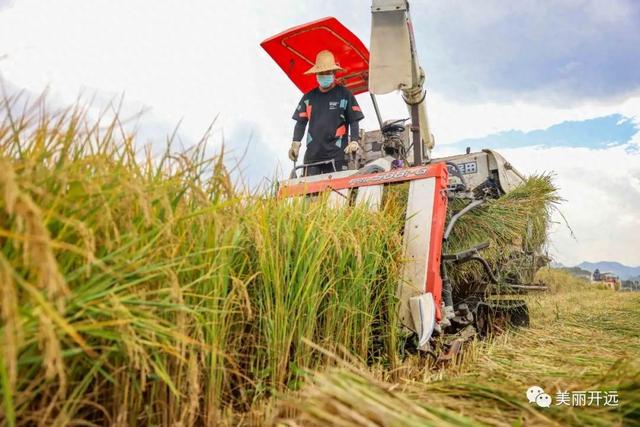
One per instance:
(438,220)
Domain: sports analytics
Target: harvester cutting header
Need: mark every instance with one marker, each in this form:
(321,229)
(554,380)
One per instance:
(439,291)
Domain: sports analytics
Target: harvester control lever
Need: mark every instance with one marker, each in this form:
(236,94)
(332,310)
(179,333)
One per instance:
(465,255)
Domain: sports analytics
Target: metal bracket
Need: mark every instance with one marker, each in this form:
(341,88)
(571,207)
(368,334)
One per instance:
(338,193)
(388,5)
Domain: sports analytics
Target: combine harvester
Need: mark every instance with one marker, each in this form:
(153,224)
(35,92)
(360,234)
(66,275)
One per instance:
(399,152)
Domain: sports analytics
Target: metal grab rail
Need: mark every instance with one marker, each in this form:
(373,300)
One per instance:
(294,171)
(352,165)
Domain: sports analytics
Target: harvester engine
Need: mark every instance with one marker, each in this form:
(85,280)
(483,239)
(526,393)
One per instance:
(393,143)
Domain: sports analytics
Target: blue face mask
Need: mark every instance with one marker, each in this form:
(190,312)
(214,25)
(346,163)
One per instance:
(325,80)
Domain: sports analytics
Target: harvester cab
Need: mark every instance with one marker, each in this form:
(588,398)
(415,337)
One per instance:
(400,151)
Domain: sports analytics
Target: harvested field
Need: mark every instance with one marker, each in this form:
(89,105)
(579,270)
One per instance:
(581,339)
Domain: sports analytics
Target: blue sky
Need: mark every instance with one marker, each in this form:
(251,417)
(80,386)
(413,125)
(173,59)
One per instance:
(597,133)
(553,85)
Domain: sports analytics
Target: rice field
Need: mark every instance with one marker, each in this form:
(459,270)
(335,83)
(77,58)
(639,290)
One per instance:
(147,290)
(139,291)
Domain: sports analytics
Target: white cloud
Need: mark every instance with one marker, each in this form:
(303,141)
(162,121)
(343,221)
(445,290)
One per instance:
(194,60)
(185,60)
(197,59)
(454,121)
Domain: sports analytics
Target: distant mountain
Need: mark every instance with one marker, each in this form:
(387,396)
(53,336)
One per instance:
(623,271)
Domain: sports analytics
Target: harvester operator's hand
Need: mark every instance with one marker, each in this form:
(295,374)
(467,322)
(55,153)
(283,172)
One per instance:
(294,150)
(352,147)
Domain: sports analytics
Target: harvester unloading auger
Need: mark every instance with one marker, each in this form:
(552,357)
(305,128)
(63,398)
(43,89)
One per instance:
(400,152)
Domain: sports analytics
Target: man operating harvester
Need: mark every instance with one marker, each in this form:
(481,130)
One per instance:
(329,109)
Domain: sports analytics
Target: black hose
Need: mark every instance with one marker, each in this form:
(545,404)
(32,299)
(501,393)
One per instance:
(447,290)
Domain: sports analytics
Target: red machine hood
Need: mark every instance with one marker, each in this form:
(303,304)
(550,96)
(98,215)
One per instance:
(295,50)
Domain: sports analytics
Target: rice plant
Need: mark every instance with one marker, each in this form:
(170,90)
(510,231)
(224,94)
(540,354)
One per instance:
(139,290)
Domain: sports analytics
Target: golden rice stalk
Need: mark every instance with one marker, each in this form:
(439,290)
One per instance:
(12,336)
(39,257)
